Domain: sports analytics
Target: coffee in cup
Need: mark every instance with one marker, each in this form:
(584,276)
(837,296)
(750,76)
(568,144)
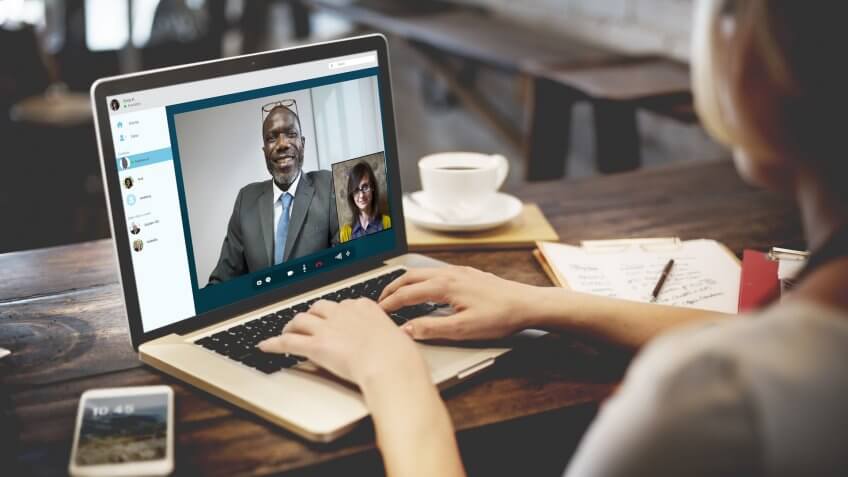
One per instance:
(461,184)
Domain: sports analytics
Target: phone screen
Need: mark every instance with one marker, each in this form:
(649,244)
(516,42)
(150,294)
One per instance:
(123,429)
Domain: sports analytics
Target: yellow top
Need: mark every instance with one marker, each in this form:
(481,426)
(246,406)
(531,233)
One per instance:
(347,229)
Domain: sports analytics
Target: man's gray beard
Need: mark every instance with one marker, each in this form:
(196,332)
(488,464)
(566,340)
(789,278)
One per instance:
(284,181)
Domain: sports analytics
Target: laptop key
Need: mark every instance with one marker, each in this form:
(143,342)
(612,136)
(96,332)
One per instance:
(223,337)
(251,359)
(285,314)
(282,361)
(239,352)
(407,313)
(357,290)
(415,311)
(268,362)
(206,342)
(398,319)
(252,340)
(223,348)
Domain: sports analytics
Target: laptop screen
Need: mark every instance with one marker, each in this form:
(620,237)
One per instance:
(238,185)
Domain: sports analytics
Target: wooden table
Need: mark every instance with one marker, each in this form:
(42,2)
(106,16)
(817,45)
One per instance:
(61,314)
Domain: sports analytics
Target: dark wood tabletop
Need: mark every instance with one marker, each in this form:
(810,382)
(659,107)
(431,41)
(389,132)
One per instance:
(61,314)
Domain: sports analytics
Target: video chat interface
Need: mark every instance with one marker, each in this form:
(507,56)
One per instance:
(180,220)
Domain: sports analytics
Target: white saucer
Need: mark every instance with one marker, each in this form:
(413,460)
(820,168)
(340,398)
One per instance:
(501,210)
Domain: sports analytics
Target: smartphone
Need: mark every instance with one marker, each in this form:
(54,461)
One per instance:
(124,431)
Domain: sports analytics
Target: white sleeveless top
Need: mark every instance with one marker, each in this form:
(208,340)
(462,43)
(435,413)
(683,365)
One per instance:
(761,395)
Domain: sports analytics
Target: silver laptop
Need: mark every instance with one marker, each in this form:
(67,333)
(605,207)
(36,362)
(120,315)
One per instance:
(233,187)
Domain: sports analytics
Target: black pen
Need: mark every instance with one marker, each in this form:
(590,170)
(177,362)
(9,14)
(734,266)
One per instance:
(662,279)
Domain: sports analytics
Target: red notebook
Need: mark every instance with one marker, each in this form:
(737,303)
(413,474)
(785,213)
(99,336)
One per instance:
(759,284)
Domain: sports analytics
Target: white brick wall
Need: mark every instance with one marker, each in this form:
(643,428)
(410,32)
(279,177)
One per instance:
(635,26)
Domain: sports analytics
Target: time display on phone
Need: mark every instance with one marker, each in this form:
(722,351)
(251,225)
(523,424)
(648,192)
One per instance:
(123,429)
(121,409)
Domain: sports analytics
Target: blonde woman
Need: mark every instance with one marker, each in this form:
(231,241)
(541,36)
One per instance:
(763,394)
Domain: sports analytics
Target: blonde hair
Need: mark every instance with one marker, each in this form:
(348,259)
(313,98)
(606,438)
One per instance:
(789,48)
(713,67)
(704,58)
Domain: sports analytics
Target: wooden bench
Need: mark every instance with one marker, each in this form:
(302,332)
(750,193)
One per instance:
(616,92)
(561,69)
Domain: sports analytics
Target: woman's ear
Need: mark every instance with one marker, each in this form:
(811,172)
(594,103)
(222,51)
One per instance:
(755,108)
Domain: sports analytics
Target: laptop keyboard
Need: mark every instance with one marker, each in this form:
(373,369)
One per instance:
(239,342)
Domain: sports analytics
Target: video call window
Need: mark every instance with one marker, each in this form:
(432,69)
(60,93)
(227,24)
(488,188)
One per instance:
(261,176)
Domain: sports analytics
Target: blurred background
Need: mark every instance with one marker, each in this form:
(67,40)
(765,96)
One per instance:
(570,83)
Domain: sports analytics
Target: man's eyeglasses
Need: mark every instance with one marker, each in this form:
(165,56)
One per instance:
(289,104)
(364,189)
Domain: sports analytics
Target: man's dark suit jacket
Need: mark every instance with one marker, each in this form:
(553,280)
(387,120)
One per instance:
(249,244)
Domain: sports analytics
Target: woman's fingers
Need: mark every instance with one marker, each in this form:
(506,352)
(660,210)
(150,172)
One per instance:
(453,327)
(292,343)
(303,323)
(413,275)
(323,308)
(415,293)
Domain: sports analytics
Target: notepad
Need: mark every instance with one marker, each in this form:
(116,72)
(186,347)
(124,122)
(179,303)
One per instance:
(705,274)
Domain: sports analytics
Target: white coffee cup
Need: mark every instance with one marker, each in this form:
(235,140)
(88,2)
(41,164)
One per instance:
(460,185)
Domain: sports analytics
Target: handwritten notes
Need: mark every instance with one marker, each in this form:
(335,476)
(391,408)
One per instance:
(704,275)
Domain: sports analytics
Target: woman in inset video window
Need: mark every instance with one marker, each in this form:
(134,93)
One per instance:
(363,197)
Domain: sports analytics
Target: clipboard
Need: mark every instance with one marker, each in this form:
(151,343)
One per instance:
(766,276)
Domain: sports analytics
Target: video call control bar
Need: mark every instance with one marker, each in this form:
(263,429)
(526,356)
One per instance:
(288,271)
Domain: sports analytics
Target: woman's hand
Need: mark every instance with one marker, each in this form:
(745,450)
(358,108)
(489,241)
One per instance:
(354,339)
(357,341)
(487,307)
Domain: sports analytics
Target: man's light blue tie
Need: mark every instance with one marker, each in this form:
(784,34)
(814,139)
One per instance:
(282,229)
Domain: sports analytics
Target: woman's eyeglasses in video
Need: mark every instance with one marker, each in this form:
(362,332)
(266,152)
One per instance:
(364,189)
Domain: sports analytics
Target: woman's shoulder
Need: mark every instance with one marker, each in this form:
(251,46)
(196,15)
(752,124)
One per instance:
(795,323)
(763,344)
(772,376)
(735,396)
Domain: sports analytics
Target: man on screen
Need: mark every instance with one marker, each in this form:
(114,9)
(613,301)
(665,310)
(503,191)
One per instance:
(291,215)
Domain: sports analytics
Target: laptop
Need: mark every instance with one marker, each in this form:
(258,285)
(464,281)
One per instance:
(213,259)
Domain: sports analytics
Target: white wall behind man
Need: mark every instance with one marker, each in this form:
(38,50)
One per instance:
(347,120)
